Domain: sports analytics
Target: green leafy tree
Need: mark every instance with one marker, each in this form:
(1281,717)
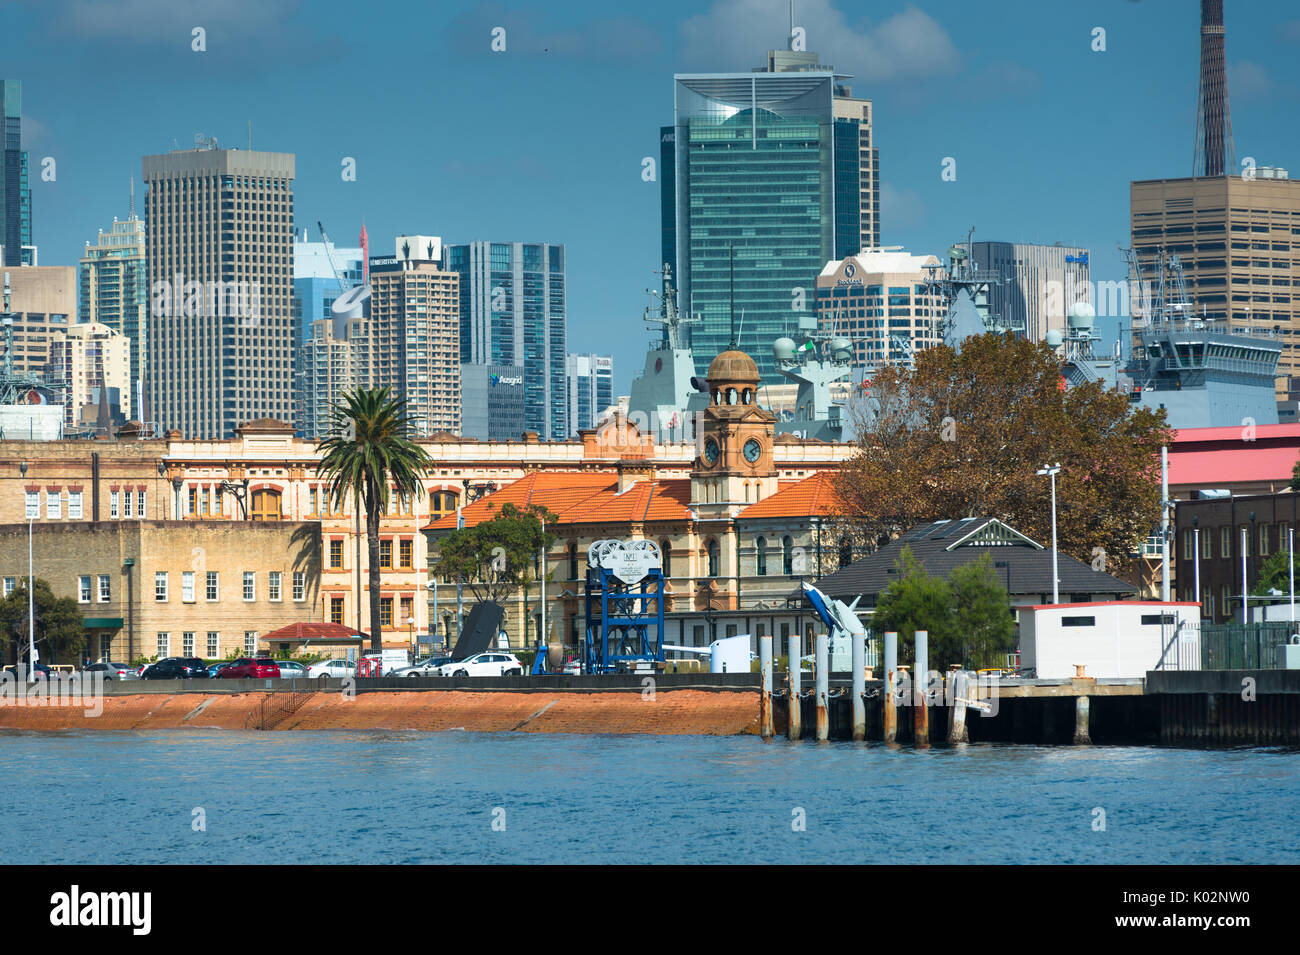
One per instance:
(984,629)
(1274,575)
(494,557)
(366,456)
(60,634)
(962,435)
(916,600)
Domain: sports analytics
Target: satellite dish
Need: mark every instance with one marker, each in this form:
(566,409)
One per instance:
(783,349)
(1054,338)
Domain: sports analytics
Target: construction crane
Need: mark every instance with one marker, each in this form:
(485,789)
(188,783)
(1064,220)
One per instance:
(338,273)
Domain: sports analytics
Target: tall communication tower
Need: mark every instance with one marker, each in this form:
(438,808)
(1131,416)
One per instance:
(1214,150)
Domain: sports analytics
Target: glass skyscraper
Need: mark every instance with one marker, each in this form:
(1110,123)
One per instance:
(768,176)
(15,190)
(512,312)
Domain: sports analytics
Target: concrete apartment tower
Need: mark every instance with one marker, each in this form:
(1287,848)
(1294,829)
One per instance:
(413,334)
(113,286)
(220,339)
(86,361)
(778,166)
(1235,230)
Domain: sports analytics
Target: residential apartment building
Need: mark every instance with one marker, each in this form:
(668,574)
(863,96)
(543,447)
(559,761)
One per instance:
(412,338)
(881,302)
(91,363)
(1040,283)
(328,367)
(513,312)
(1238,241)
(220,340)
(766,176)
(113,287)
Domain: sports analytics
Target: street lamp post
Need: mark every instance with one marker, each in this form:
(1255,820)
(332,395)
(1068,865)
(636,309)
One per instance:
(1196,556)
(1051,471)
(410,626)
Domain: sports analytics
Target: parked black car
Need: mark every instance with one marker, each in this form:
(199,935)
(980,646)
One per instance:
(176,668)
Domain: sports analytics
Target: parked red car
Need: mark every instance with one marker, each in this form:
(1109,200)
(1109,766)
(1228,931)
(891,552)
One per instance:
(244,667)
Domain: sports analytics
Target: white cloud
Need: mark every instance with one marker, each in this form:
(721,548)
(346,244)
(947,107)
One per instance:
(900,208)
(1247,80)
(736,34)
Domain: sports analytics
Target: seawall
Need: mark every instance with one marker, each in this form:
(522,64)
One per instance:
(699,710)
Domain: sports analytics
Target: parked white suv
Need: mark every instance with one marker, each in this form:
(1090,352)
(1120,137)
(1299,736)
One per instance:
(488,663)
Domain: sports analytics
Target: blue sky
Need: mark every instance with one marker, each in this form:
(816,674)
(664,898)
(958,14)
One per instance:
(544,141)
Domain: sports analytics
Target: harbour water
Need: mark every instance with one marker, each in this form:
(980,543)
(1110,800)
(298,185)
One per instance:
(357,798)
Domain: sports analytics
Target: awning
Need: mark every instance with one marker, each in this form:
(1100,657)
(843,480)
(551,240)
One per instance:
(102,623)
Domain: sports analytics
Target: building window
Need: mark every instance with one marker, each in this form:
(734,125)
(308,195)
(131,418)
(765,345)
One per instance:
(160,586)
(83,589)
(1263,540)
(266,506)
(573,560)
(105,589)
(187,643)
(250,642)
(1225,597)
(336,610)
(74,505)
(1207,545)
(273,585)
(1283,536)
(760,556)
(1225,542)
(666,557)
(33,505)
(1187,545)
(250,585)
(164,645)
(408,610)
(846,552)
(336,553)
(713,558)
(299,585)
(53,505)
(187,586)
(212,589)
(139,504)
(194,500)
(9,585)
(386,612)
(126,504)
(113,504)
(214,644)
(313,502)
(787,555)
(405,553)
(386,554)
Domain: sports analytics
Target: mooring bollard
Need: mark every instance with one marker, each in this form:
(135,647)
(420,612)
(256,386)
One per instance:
(822,661)
(920,679)
(794,725)
(889,716)
(765,697)
(960,681)
(1081,735)
(859,686)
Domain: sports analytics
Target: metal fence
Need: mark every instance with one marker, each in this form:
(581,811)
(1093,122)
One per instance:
(1224,646)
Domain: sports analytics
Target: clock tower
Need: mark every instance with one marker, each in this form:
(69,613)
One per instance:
(733,463)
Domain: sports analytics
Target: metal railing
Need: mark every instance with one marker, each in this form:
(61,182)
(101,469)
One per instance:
(1224,646)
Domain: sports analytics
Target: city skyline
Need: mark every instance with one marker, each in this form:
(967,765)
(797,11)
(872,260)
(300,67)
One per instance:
(1101,119)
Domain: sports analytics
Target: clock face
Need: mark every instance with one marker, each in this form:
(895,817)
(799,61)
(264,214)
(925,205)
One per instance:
(711,451)
(753,451)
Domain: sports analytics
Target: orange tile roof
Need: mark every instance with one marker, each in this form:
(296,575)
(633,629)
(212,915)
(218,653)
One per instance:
(555,490)
(814,496)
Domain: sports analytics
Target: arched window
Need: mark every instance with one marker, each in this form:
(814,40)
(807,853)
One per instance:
(441,503)
(266,506)
(846,552)
(573,560)
(787,555)
(760,551)
(713,558)
(666,558)
(731,396)
(746,396)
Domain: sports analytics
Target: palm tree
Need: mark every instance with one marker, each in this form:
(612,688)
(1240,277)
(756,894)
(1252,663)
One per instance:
(366,451)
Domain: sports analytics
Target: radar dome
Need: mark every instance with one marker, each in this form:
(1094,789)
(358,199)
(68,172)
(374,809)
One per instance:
(1054,338)
(841,348)
(1081,315)
(783,349)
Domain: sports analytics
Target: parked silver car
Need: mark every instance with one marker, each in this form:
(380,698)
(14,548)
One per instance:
(291,670)
(333,669)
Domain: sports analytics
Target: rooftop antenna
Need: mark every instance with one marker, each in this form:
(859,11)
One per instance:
(790,38)
(250,135)
(133,197)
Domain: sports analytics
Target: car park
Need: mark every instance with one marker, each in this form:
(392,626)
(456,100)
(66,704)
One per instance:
(488,663)
(250,668)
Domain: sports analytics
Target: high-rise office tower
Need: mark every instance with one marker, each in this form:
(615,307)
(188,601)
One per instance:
(43,301)
(591,389)
(412,340)
(1039,284)
(1231,234)
(113,286)
(323,347)
(881,302)
(512,312)
(220,339)
(15,190)
(767,176)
